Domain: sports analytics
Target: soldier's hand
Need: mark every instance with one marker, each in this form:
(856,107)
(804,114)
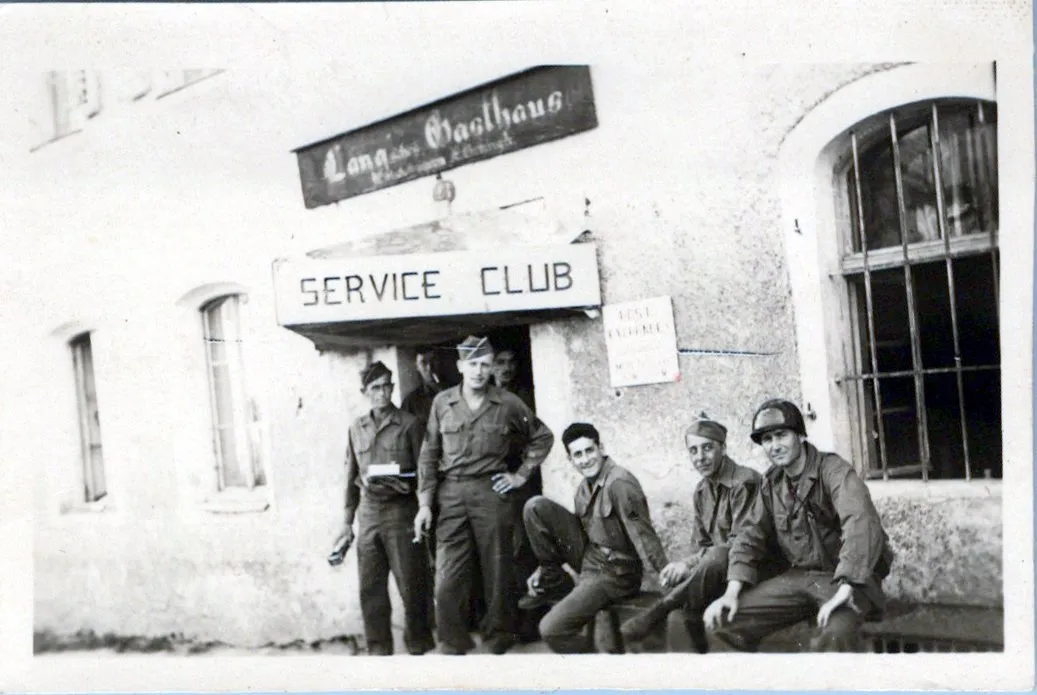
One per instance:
(842,595)
(533,582)
(714,615)
(346,537)
(674,573)
(503,483)
(422,523)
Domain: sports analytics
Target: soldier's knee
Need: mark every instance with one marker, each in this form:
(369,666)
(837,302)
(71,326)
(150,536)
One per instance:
(533,506)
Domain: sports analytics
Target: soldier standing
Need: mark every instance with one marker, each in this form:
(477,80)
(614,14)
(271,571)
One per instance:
(463,468)
(381,466)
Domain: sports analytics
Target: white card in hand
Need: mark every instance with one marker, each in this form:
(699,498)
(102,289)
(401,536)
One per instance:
(379,469)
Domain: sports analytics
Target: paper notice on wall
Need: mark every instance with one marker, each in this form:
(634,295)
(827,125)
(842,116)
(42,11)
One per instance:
(642,342)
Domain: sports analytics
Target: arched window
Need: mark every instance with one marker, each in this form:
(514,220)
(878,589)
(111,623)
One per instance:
(234,416)
(919,256)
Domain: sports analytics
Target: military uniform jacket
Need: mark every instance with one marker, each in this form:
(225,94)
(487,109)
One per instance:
(395,440)
(461,443)
(614,514)
(721,505)
(826,522)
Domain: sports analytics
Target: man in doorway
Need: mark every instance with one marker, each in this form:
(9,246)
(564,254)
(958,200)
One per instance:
(463,468)
(419,401)
(381,465)
(819,513)
(606,543)
(505,373)
(722,500)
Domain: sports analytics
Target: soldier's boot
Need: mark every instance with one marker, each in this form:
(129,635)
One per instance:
(641,625)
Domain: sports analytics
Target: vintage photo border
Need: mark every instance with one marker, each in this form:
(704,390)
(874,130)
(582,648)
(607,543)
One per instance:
(804,32)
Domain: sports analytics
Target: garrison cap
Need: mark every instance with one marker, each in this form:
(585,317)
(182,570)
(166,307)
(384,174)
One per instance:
(474,347)
(704,427)
(777,414)
(375,370)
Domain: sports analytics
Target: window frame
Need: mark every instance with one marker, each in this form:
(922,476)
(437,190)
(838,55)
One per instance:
(809,156)
(247,449)
(857,267)
(90,438)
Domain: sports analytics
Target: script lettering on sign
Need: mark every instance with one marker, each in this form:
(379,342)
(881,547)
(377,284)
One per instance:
(532,107)
(329,290)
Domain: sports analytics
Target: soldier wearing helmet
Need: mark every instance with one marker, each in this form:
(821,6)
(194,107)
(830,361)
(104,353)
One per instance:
(818,513)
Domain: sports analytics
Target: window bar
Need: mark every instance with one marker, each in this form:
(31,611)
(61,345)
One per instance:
(989,205)
(912,311)
(872,349)
(934,139)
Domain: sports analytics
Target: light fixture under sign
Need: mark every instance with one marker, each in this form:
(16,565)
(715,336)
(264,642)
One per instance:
(444,190)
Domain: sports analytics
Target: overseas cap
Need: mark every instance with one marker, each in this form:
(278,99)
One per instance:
(704,427)
(375,370)
(777,414)
(474,347)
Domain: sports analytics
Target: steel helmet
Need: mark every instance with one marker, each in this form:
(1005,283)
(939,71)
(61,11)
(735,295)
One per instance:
(777,414)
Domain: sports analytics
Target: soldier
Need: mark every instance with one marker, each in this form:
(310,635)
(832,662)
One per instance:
(820,513)
(462,468)
(721,501)
(419,401)
(505,370)
(381,465)
(607,542)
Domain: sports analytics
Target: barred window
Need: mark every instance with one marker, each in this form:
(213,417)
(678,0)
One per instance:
(920,260)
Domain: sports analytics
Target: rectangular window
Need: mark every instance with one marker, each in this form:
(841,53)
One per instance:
(234,416)
(94,487)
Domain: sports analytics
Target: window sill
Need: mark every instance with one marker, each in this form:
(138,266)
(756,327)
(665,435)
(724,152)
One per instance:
(935,489)
(237,502)
(101,505)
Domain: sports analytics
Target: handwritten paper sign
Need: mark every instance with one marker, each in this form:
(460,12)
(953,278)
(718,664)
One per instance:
(642,342)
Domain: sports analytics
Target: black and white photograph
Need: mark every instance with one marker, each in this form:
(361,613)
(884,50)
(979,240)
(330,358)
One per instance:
(662,346)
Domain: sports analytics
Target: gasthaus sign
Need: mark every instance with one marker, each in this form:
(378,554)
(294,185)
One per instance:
(532,107)
(331,290)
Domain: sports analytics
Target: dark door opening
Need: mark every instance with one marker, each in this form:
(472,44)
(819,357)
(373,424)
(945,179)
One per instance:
(513,338)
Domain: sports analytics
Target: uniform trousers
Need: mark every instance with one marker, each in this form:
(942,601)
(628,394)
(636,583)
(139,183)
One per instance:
(787,599)
(384,546)
(557,537)
(473,532)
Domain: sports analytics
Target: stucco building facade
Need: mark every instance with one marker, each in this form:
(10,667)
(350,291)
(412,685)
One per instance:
(179,191)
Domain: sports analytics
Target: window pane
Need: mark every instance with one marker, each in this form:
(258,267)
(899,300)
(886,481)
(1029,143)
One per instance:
(977,315)
(89,420)
(968,172)
(983,414)
(899,420)
(232,475)
(213,317)
(892,330)
(96,486)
